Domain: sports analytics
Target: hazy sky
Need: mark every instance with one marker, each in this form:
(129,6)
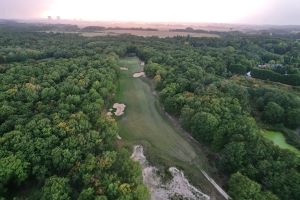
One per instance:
(226,11)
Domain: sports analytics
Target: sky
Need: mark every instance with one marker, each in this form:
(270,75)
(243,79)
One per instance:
(278,12)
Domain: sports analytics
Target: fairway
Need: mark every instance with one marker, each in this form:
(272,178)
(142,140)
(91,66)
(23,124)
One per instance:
(278,139)
(145,124)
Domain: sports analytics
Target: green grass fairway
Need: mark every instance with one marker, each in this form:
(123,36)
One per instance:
(144,123)
(278,139)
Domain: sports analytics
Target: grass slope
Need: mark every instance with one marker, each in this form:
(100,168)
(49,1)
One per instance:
(144,123)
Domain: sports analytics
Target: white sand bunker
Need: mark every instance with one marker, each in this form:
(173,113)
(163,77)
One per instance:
(139,74)
(124,68)
(109,113)
(178,186)
(119,137)
(120,107)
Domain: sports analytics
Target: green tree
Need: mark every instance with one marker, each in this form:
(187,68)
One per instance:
(292,118)
(233,156)
(87,194)
(12,170)
(237,69)
(56,188)
(243,188)
(203,125)
(273,113)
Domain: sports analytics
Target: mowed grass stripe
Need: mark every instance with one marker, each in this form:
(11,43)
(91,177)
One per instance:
(142,120)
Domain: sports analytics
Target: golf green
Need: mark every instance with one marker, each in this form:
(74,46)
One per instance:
(278,139)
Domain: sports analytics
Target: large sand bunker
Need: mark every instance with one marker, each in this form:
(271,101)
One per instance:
(120,107)
(178,186)
(139,74)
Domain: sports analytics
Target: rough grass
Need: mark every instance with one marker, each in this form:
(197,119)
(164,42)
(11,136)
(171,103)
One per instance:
(278,139)
(143,123)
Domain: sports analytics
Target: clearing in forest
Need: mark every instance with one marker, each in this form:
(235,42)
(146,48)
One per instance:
(278,139)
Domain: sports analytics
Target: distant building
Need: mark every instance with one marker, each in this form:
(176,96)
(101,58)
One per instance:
(272,66)
(58,18)
(49,18)
(263,66)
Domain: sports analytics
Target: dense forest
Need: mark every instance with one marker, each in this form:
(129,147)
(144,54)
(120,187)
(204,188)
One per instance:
(196,85)
(57,142)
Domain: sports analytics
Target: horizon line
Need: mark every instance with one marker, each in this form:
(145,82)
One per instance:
(44,19)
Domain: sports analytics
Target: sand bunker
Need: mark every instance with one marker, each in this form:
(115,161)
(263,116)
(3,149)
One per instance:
(178,186)
(119,137)
(109,114)
(124,68)
(120,107)
(139,74)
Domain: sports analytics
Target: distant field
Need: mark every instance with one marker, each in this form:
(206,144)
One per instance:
(145,33)
(278,139)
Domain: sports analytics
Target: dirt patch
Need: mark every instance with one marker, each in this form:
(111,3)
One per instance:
(177,187)
(120,107)
(139,74)
(124,68)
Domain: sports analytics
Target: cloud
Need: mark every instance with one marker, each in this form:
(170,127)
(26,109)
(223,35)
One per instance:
(277,12)
(23,8)
(226,11)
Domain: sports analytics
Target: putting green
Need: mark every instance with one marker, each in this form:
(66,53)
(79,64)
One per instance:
(278,139)
(145,123)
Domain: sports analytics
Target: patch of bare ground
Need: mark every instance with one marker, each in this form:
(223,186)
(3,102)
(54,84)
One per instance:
(177,187)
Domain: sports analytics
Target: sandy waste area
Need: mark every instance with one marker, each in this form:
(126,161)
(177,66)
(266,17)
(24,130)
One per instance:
(177,186)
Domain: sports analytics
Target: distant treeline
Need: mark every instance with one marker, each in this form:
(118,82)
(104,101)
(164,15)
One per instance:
(25,27)
(191,30)
(15,26)
(92,29)
(132,28)
(102,28)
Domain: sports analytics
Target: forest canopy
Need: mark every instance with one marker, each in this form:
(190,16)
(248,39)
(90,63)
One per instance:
(56,141)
